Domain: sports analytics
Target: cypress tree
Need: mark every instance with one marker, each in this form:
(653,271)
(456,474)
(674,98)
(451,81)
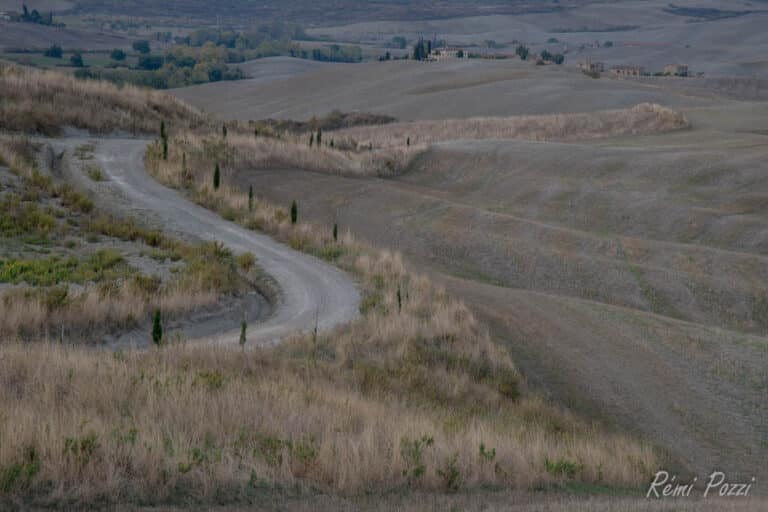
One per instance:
(311,139)
(224,131)
(216,177)
(163,135)
(184,166)
(331,143)
(399,300)
(250,198)
(294,212)
(408,141)
(165,149)
(157,329)
(335,232)
(319,136)
(243,328)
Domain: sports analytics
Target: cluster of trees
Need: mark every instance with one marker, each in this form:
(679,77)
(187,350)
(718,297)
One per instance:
(265,41)
(57,52)
(34,16)
(338,53)
(522,51)
(249,39)
(557,58)
(422,49)
(177,67)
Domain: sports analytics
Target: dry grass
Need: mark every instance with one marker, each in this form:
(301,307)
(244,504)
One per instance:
(243,151)
(35,101)
(643,119)
(339,413)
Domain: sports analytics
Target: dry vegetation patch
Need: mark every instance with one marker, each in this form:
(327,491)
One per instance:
(643,119)
(60,285)
(35,101)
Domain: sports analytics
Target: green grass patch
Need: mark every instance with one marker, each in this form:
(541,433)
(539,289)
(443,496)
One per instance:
(95,173)
(103,265)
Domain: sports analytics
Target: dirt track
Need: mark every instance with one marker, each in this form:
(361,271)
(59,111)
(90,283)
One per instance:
(311,292)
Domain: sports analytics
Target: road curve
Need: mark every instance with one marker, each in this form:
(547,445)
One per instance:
(312,292)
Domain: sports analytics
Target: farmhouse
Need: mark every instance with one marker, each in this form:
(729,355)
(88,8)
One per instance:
(447,52)
(676,70)
(628,70)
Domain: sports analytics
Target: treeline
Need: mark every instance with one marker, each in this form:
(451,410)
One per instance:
(179,66)
(337,53)
(270,40)
(34,16)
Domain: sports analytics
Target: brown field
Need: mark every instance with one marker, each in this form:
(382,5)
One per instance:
(31,36)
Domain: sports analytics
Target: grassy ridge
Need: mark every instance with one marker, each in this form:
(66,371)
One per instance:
(35,101)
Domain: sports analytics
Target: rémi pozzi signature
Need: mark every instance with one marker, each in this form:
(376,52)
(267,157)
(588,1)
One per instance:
(665,485)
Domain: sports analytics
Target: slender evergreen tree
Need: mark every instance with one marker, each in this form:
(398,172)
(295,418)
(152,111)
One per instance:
(216,177)
(294,212)
(224,131)
(157,329)
(165,149)
(250,198)
(319,136)
(311,139)
(335,232)
(163,135)
(243,329)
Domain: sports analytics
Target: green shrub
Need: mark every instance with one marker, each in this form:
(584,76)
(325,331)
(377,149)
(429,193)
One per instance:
(95,173)
(562,468)
(412,452)
(246,261)
(450,474)
(20,474)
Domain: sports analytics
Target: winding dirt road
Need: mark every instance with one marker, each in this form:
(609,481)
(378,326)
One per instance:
(311,292)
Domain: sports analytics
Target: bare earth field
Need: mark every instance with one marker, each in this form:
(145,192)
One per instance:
(625,275)
(412,90)
(29,35)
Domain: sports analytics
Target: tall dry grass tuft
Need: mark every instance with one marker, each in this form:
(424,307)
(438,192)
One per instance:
(37,101)
(642,119)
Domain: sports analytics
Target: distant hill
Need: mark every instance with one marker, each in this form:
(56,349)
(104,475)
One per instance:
(330,12)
